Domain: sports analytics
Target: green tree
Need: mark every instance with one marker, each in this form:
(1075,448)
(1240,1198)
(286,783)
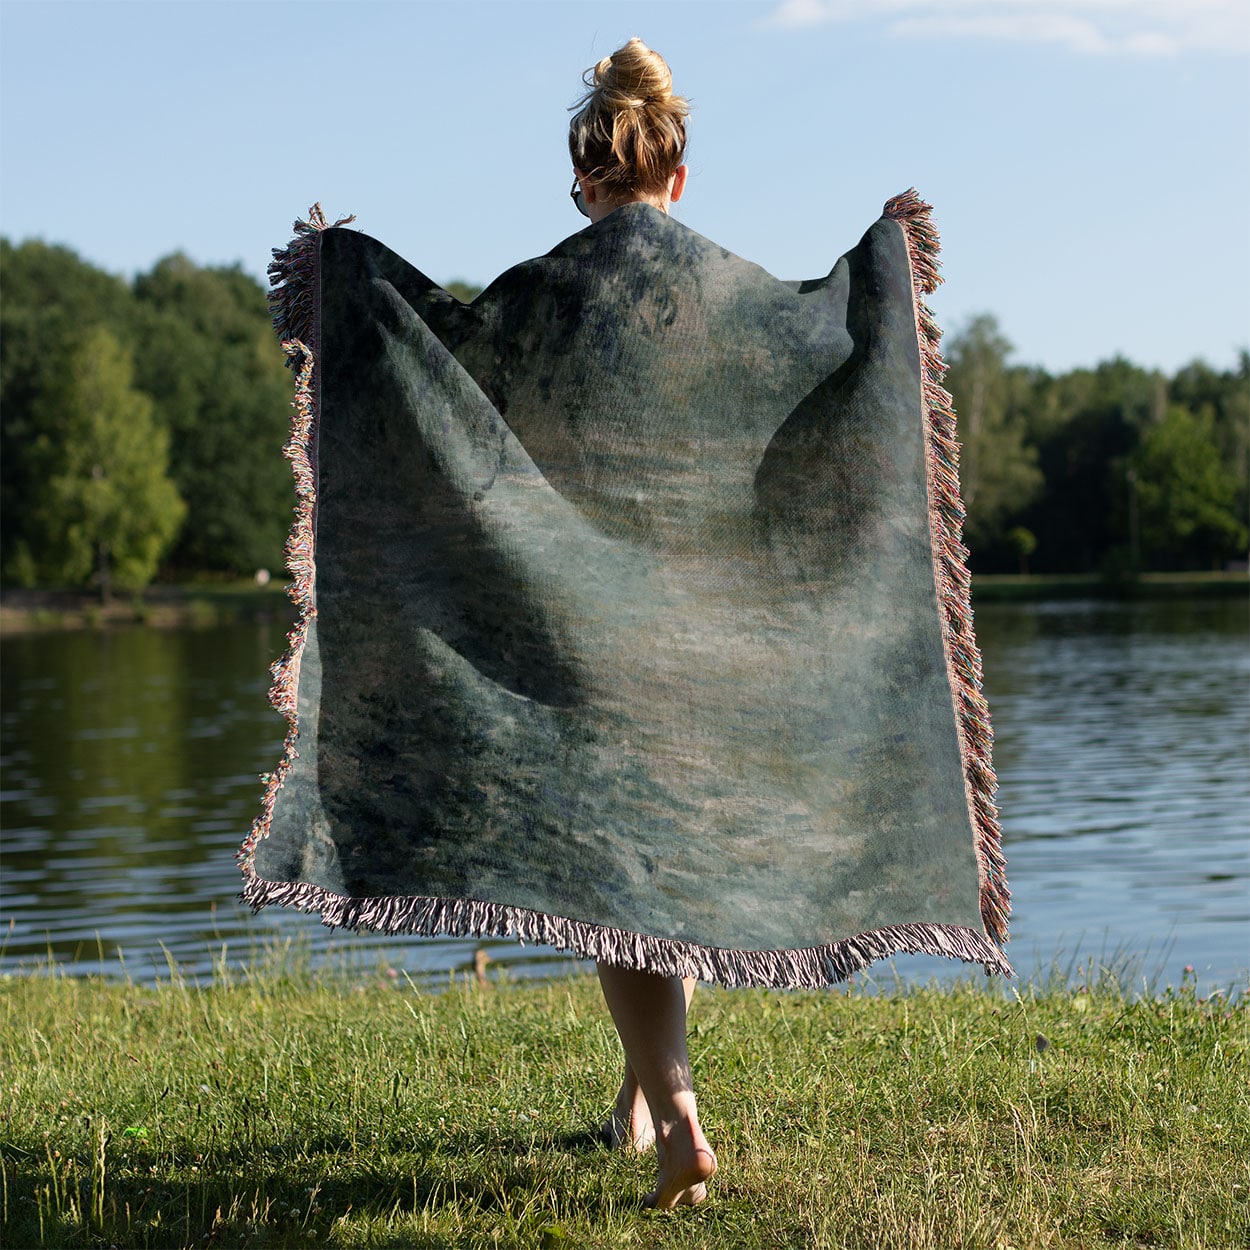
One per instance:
(104,508)
(465,292)
(997,466)
(51,298)
(1086,424)
(1223,399)
(1187,493)
(208,358)
(1024,543)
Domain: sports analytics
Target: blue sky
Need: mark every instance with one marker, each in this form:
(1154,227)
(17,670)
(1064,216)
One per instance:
(1087,159)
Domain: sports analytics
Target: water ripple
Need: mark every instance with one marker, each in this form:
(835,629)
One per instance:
(131,764)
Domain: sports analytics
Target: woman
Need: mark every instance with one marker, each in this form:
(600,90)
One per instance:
(634,615)
(628,143)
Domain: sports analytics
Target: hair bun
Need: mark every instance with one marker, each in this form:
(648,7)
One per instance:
(633,76)
(629,131)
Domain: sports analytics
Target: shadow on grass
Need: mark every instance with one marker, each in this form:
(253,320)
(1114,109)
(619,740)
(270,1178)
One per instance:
(242,1196)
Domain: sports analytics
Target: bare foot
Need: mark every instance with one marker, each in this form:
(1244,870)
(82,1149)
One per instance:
(629,1126)
(686,1165)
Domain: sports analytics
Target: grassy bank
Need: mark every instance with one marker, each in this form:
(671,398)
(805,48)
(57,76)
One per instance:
(192,604)
(280,1109)
(1004,587)
(213,603)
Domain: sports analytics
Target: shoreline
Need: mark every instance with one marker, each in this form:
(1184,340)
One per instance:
(173,606)
(204,604)
(1035,587)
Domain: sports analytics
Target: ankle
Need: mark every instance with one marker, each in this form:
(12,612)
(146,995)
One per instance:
(679,1112)
(682,1131)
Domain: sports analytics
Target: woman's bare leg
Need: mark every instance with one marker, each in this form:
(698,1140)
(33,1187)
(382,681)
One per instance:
(649,1012)
(629,1127)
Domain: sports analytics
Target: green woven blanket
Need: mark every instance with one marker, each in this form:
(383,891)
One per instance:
(634,614)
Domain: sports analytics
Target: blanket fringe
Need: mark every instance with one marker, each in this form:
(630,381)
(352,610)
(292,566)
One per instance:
(807,968)
(954,584)
(294,275)
(294,303)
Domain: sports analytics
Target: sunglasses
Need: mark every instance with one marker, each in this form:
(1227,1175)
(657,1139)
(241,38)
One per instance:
(576,196)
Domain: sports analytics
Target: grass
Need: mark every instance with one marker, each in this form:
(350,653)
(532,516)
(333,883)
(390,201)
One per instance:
(279,1107)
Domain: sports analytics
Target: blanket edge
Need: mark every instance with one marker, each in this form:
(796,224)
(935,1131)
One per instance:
(950,559)
(804,968)
(294,302)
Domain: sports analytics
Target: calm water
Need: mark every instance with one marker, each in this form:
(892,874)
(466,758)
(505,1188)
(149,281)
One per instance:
(130,775)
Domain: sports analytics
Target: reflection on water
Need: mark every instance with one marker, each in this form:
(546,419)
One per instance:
(131,762)
(131,758)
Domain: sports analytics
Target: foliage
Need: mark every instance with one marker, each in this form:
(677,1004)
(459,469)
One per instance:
(465,292)
(51,298)
(1111,468)
(998,468)
(213,377)
(206,351)
(1024,543)
(282,1109)
(1187,492)
(1223,401)
(1063,459)
(103,506)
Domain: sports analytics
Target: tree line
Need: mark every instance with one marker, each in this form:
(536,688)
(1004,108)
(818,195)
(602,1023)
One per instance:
(1114,470)
(141,423)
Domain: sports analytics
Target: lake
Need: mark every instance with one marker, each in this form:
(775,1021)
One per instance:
(131,760)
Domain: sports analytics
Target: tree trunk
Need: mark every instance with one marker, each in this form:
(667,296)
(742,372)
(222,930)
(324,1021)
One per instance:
(105,574)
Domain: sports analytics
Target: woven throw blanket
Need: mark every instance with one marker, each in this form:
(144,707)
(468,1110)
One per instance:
(634,616)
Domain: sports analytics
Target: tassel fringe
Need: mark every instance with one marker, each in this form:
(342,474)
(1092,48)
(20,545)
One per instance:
(954,584)
(294,275)
(809,968)
(295,303)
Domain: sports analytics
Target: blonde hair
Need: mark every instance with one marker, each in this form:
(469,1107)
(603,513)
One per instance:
(629,131)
